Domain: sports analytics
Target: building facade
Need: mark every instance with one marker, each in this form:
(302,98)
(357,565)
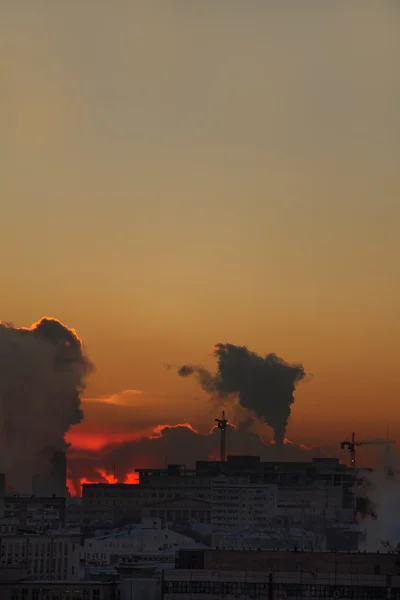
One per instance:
(35,513)
(238,504)
(45,557)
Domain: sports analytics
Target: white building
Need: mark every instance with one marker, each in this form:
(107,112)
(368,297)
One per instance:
(298,504)
(240,504)
(46,557)
(146,542)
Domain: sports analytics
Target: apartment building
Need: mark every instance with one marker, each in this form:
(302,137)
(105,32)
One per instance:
(115,502)
(35,513)
(238,504)
(320,487)
(45,557)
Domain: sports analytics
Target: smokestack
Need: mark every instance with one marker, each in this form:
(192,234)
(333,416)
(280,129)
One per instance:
(222,423)
(52,480)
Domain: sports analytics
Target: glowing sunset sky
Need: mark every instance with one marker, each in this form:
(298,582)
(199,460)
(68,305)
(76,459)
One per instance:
(178,174)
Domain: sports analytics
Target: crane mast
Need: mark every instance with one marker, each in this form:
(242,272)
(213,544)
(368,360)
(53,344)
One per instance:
(352,444)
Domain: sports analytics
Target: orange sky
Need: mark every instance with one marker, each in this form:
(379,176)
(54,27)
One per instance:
(174,175)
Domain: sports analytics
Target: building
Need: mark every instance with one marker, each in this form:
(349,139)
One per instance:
(34,513)
(147,542)
(59,590)
(239,504)
(116,503)
(232,585)
(180,511)
(345,563)
(280,575)
(111,503)
(296,505)
(320,489)
(272,538)
(45,557)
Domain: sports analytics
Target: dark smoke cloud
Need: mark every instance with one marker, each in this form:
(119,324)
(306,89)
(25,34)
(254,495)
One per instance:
(264,385)
(42,377)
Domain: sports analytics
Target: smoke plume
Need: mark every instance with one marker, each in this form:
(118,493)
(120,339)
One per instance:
(264,385)
(42,375)
(378,497)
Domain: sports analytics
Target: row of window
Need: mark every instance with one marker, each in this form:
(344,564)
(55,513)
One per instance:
(280,590)
(73,594)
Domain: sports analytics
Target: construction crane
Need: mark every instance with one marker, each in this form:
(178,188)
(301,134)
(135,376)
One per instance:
(222,423)
(351,446)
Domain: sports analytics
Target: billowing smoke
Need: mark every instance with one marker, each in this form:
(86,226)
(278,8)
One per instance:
(378,497)
(42,376)
(264,385)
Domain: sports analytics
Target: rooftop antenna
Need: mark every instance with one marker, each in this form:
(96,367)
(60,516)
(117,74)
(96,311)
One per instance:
(222,423)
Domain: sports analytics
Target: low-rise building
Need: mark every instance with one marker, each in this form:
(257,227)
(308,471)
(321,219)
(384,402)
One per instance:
(35,513)
(60,590)
(256,574)
(45,557)
(147,542)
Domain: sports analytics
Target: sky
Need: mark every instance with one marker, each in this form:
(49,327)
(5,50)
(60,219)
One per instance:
(178,174)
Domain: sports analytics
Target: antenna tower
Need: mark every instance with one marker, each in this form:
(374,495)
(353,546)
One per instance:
(222,423)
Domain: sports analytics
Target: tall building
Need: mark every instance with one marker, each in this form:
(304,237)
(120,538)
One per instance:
(238,504)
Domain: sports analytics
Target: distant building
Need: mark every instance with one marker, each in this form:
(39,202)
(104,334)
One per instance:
(45,557)
(238,504)
(181,511)
(322,489)
(140,545)
(35,514)
(59,590)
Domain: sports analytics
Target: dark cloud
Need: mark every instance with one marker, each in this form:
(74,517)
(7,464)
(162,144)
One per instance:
(265,385)
(42,376)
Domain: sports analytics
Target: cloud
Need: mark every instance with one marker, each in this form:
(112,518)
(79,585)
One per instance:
(180,444)
(43,371)
(122,417)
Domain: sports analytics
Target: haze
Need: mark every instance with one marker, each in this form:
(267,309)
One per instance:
(179,174)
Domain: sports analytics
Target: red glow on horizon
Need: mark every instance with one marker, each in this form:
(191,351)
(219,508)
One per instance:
(89,440)
(304,447)
(109,477)
(214,456)
(81,437)
(132,478)
(85,480)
